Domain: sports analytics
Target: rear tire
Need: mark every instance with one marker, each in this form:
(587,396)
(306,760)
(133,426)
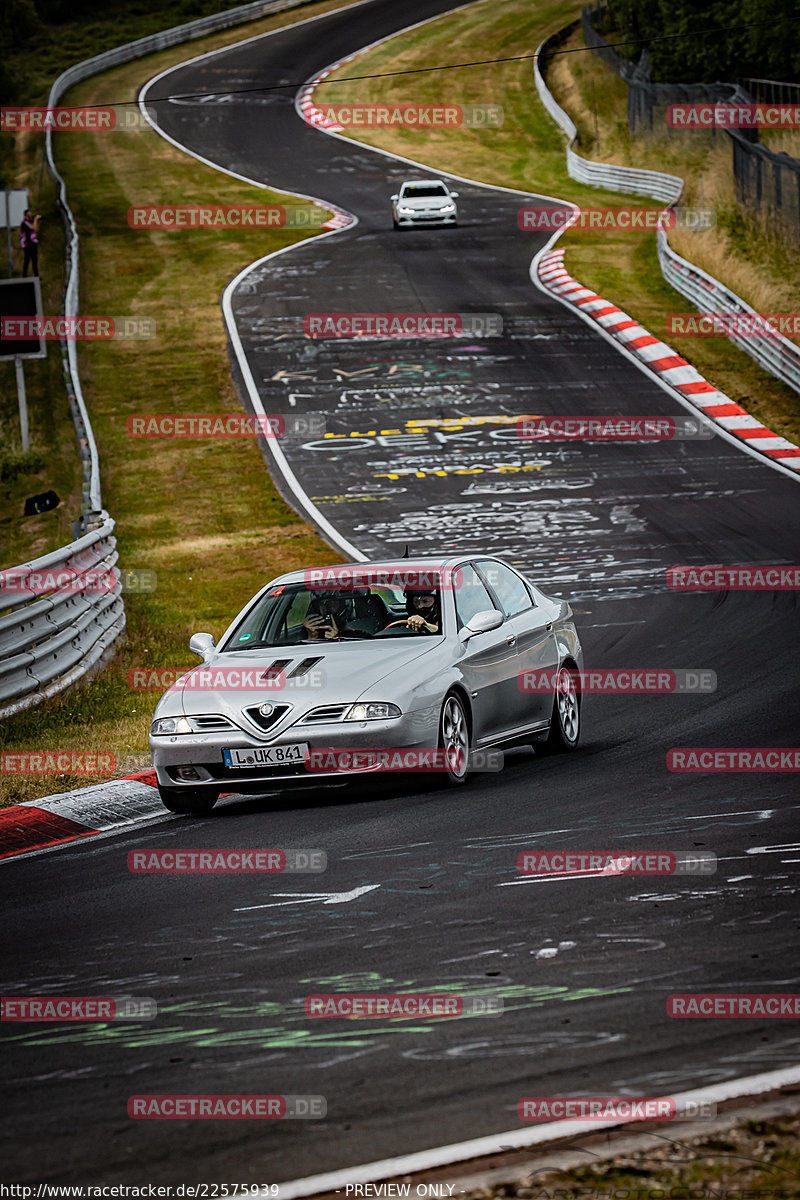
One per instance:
(565,722)
(197,802)
(454,740)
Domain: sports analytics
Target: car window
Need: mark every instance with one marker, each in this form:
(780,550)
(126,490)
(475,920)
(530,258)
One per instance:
(471,595)
(507,586)
(417,190)
(380,612)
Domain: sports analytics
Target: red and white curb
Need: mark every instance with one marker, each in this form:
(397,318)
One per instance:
(317,119)
(663,361)
(68,816)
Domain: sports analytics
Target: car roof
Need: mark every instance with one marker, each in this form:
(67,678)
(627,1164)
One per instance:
(389,566)
(406,182)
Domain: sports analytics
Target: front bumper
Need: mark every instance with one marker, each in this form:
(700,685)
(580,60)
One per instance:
(427,219)
(413,731)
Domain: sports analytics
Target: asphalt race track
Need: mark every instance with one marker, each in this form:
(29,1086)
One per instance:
(584,966)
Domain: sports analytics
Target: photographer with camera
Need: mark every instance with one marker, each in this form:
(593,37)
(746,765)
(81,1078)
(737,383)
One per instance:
(29,241)
(328,616)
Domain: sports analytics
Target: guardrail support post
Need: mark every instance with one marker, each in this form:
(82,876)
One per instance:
(23,406)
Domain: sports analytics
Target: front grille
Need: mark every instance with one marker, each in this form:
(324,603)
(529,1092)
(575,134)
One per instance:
(211,723)
(267,722)
(326,712)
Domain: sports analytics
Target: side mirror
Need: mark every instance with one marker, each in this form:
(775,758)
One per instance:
(454,194)
(396,197)
(482,622)
(202,644)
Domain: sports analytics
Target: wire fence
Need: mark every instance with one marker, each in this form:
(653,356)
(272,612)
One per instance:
(767,183)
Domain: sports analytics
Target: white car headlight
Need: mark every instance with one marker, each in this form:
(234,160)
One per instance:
(448,208)
(406,212)
(166,725)
(371,711)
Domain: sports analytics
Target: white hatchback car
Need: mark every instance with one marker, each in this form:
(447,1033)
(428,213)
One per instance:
(424,202)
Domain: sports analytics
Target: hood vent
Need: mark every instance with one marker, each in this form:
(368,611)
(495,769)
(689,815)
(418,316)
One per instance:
(304,667)
(274,670)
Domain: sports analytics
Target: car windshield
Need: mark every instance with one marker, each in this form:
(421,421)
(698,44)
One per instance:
(293,614)
(416,191)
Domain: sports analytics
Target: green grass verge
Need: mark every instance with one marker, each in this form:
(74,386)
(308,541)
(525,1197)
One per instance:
(754,1159)
(203,515)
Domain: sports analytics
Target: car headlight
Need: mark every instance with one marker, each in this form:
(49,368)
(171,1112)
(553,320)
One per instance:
(166,725)
(449,208)
(371,711)
(406,212)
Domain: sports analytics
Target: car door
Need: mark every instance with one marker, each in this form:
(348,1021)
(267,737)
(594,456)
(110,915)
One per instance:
(533,628)
(489,662)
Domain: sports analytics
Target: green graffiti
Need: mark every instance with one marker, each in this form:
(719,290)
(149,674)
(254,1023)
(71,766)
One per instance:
(274,1026)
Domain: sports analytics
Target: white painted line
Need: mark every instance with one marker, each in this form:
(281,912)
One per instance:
(536,1135)
(764,813)
(312,897)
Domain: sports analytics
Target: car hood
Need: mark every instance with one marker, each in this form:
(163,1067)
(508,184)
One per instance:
(425,202)
(305,676)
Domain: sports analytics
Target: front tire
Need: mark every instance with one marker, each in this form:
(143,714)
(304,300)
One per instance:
(454,740)
(565,722)
(197,802)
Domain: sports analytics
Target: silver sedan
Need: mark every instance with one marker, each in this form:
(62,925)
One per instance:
(361,667)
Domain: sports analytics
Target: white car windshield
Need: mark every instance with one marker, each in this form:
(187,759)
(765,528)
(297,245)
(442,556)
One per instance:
(292,614)
(420,191)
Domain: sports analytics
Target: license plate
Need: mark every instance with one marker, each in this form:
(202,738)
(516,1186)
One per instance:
(265,756)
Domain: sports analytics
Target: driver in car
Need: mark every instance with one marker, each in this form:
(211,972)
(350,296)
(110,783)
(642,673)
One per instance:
(423,611)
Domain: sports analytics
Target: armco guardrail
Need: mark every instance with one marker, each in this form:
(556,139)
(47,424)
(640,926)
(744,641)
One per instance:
(58,615)
(50,640)
(608,175)
(775,354)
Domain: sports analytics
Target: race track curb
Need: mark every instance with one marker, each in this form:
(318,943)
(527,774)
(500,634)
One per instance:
(664,362)
(85,812)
